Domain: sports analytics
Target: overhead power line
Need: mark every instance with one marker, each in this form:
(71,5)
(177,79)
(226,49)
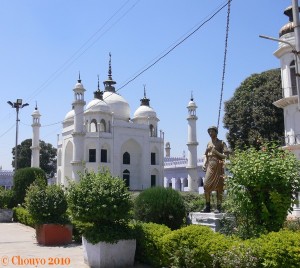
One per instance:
(176,45)
(209,18)
(84,47)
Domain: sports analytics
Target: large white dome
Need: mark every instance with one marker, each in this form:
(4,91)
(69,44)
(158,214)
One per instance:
(69,116)
(97,105)
(144,112)
(118,105)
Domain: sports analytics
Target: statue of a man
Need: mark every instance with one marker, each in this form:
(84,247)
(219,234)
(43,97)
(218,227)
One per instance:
(213,165)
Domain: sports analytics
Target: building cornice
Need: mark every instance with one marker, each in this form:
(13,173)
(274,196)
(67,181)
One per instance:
(282,103)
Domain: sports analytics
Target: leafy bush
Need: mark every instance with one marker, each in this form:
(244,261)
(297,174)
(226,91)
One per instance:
(105,203)
(6,198)
(192,201)
(78,230)
(148,243)
(198,246)
(279,249)
(46,204)
(22,215)
(242,254)
(160,205)
(193,246)
(260,191)
(23,178)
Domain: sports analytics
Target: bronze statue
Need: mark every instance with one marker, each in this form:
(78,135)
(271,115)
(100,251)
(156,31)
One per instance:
(213,165)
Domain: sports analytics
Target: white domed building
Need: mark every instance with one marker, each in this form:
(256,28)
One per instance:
(103,135)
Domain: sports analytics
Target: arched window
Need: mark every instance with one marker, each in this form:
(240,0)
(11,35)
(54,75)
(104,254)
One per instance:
(152,131)
(126,158)
(102,126)
(293,78)
(94,125)
(126,177)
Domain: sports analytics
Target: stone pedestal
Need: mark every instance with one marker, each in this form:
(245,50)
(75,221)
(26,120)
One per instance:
(211,220)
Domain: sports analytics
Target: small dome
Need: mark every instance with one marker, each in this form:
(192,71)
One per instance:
(192,104)
(288,28)
(97,105)
(36,113)
(118,105)
(70,116)
(79,85)
(144,112)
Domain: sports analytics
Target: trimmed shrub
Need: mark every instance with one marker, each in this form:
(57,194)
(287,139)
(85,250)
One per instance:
(105,203)
(193,246)
(23,178)
(242,254)
(6,198)
(148,243)
(279,249)
(46,204)
(22,215)
(160,205)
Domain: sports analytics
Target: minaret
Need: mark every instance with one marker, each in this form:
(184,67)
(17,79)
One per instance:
(192,147)
(109,83)
(289,102)
(35,148)
(168,149)
(79,131)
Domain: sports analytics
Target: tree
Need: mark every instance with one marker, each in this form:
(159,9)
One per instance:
(23,177)
(250,116)
(47,156)
(261,188)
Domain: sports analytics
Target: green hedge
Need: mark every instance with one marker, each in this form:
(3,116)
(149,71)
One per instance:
(148,243)
(22,215)
(193,246)
(280,249)
(198,246)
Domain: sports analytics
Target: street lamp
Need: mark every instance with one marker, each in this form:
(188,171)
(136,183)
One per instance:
(296,54)
(17,105)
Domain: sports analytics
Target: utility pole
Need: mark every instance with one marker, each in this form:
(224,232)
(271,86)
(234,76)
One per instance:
(17,105)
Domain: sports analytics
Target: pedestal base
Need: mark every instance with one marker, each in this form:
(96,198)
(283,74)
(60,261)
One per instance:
(211,220)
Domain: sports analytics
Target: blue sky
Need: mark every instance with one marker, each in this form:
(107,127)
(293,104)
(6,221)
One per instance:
(44,45)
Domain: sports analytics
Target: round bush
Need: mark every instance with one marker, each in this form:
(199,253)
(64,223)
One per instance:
(99,198)
(103,201)
(160,205)
(46,204)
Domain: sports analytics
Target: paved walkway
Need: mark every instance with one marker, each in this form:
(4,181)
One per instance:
(18,248)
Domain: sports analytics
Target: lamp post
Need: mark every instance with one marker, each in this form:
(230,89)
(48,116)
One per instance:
(296,54)
(17,105)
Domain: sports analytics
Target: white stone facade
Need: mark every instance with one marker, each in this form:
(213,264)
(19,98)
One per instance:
(289,102)
(102,135)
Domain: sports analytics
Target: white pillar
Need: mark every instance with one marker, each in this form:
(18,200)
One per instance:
(79,131)
(35,148)
(192,147)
